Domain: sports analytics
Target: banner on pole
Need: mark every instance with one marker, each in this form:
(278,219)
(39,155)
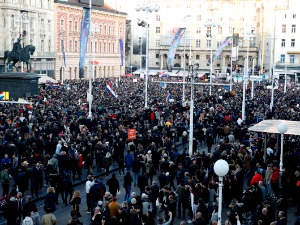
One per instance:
(84,35)
(121,51)
(220,49)
(173,48)
(63,52)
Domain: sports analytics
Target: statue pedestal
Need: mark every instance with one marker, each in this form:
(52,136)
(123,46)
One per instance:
(19,85)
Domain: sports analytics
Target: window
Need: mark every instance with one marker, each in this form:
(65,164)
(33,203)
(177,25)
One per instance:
(108,47)
(70,46)
(207,57)
(96,50)
(294,16)
(219,43)
(108,30)
(283,29)
(49,25)
(292,58)
(188,5)
(100,47)
(158,18)
(292,43)
(105,30)
(198,17)
(62,24)
(198,31)
(75,26)
(113,48)
(208,43)
(293,28)
(198,43)
(157,43)
(218,57)
(219,30)
(157,30)
(282,42)
(42,24)
(42,46)
(208,30)
(104,47)
(100,28)
(198,57)
(70,26)
(157,56)
(49,46)
(282,58)
(75,46)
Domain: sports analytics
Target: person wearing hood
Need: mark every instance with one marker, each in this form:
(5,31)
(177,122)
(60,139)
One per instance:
(113,185)
(48,218)
(27,220)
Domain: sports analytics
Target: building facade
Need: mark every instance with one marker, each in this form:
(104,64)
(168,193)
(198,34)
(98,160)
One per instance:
(201,36)
(108,27)
(287,40)
(33,22)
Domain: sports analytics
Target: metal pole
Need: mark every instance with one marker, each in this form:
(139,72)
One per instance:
(252,84)
(21,26)
(210,64)
(62,58)
(231,61)
(147,46)
(90,69)
(272,77)
(183,85)
(281,162)
(285,77)
(220,200)
(244,91)
(191,136)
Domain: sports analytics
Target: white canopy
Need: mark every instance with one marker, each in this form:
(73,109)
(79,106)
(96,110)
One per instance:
(43,78)
(271,126)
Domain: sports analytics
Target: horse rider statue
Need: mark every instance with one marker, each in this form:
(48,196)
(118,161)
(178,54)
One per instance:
(17,49)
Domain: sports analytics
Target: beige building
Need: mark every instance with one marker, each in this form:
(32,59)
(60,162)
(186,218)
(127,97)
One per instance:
(33,20)
(108,26)
(230,16)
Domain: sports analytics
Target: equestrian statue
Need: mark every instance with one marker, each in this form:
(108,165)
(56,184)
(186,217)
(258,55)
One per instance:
(19,54)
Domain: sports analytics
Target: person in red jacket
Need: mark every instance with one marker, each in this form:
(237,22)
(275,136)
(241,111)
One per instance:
(275,180)
(256,178)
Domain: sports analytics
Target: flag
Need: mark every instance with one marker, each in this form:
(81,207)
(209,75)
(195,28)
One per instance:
(163,74)
(202,76)
(220,49)
(84,34)
(4,95)
(173,48)
(109,88)
(121,51)
(168,97)
(63,52)
(163,84)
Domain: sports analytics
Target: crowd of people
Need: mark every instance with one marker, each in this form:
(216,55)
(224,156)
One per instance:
(50,142)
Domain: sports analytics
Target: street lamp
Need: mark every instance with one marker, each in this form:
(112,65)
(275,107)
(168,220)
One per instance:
(149,9)
(208,35)
(282,128)
(271,74)
(22,19)
(90,96)
(221,168)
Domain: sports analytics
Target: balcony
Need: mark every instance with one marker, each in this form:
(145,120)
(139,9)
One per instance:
(45,55)
(289,65)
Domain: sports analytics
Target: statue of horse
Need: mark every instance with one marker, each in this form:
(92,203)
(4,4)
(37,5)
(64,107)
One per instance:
(25,57)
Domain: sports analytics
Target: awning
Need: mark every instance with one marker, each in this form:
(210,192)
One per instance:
(293,52)
(43,78)
(271,126)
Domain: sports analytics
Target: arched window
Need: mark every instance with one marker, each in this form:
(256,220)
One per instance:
(49,46)
(42,46)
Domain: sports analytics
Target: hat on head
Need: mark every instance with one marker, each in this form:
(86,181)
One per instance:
(149,152)
(167,173)
(144,195)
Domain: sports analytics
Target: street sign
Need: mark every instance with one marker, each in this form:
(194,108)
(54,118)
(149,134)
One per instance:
(131,134)
(256,78)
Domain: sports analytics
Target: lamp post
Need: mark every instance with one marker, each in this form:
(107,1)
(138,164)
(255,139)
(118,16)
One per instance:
(221,168)
(285,76)
(90,99)
(22,19)
(245,79)
(209,35)
(282,128)
(271,74)
(149,9)
(62,33)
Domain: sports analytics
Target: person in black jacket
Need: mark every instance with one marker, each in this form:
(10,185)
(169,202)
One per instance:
(135,217)
(97,192)
(10,211)
(67,188)
(136,168)
(113,185)
(142,182)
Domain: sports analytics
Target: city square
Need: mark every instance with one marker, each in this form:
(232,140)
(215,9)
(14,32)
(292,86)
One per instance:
(149,112)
